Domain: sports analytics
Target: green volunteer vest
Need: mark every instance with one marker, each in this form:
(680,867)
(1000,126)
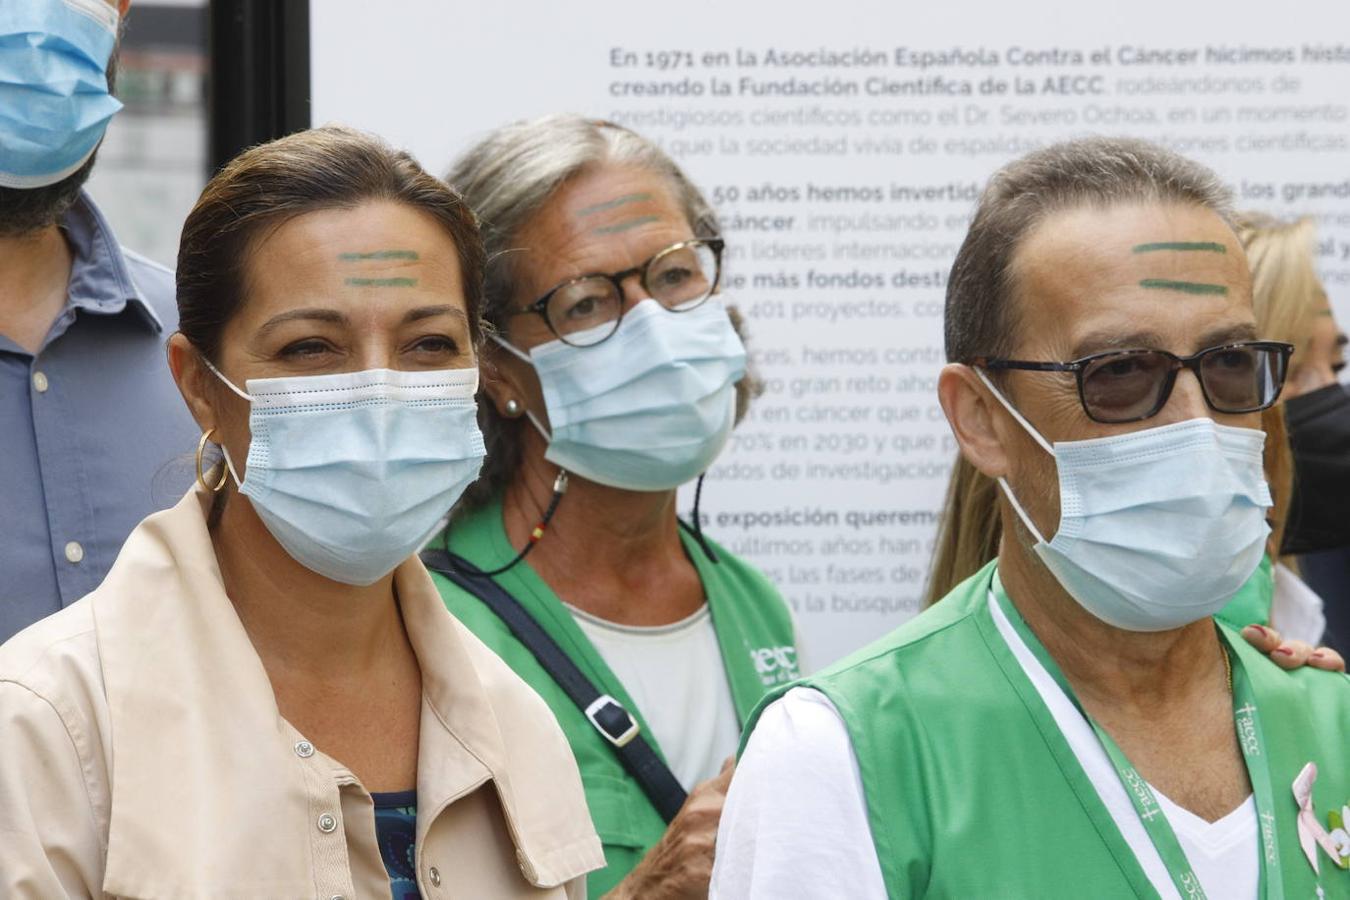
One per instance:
(972,790)
(753,628)
(1251,605)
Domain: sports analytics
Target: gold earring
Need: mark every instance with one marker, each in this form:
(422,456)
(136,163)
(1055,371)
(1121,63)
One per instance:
(201,476)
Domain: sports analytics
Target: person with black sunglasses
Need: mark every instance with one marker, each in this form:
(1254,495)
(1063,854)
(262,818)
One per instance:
(1072,720)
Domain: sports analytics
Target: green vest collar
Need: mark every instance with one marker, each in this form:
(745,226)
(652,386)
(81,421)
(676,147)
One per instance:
(756,640)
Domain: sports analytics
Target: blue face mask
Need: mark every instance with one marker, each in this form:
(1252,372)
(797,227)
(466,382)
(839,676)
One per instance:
(1157,528)
(54,100)
(352,473)
(649,408)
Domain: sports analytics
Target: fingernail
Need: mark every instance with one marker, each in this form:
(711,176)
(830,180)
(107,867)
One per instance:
(1262,629)
(1317,654)
(1285,651)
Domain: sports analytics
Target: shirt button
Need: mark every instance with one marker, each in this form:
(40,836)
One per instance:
(40,382)
(74,552)
(304,749)
(435,875)
(337,897)
(327,824)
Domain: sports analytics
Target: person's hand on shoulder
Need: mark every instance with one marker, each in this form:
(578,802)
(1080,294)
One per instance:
(1292,654)
(680,865)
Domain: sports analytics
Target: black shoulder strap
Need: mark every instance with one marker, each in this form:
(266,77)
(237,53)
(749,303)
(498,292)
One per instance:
(615,724)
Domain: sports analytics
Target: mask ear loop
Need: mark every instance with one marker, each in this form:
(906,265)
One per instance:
(228,383)
(512,349)
(229,464)
(696,530)
(1045,445)
(1012,411)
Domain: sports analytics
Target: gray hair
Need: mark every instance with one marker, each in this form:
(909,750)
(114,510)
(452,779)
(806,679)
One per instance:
(507,178)
(1097,171)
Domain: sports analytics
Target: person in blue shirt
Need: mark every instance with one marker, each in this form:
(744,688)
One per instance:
(90,414)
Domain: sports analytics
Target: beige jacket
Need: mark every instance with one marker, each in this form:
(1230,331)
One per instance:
(142,754)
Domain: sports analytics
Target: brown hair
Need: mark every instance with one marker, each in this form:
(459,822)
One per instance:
(265,186)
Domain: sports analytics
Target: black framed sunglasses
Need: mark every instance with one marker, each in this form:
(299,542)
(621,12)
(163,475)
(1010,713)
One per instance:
(585,311)
(1129,385)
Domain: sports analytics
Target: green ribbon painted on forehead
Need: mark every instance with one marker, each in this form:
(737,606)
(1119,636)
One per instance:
(625,226)
(611,204)
(378,254)
(382,282)
(1181,246)
(1185,287)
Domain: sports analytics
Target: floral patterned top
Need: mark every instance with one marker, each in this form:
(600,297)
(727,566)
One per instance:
(396,831)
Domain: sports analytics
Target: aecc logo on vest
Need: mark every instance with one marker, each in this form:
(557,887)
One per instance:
(775,665)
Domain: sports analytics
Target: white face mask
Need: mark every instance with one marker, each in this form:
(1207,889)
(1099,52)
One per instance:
(353,472)
(649,408)
(1158,528)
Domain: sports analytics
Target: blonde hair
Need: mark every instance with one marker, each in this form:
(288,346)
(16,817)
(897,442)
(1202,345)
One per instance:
(1285,299)
(970,530)
(1287,295)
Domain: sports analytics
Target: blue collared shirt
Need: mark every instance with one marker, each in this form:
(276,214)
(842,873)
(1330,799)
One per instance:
(93,433)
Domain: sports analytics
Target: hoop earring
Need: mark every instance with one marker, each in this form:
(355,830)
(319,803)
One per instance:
(201,476)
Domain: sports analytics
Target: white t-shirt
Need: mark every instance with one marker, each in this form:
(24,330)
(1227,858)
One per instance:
(801,743)
(1296,610)
(676,676)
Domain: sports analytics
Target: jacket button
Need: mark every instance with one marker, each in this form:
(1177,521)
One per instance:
(327,824)
(435,875)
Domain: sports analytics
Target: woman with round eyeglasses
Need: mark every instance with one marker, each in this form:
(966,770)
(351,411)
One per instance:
(614,376)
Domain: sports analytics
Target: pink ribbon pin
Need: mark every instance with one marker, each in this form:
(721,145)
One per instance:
(1310,831)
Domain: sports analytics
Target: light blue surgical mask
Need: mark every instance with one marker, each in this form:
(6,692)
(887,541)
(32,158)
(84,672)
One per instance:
(1157,528)
(54,100)
(648,409)
(352,473)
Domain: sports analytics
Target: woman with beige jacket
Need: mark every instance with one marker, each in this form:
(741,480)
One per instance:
(266,697)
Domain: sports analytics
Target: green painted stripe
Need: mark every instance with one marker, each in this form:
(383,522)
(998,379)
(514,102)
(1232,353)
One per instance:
(382,282)
(378,254)
(1185,287)
(1201,246)
(610,204)
(624,226)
